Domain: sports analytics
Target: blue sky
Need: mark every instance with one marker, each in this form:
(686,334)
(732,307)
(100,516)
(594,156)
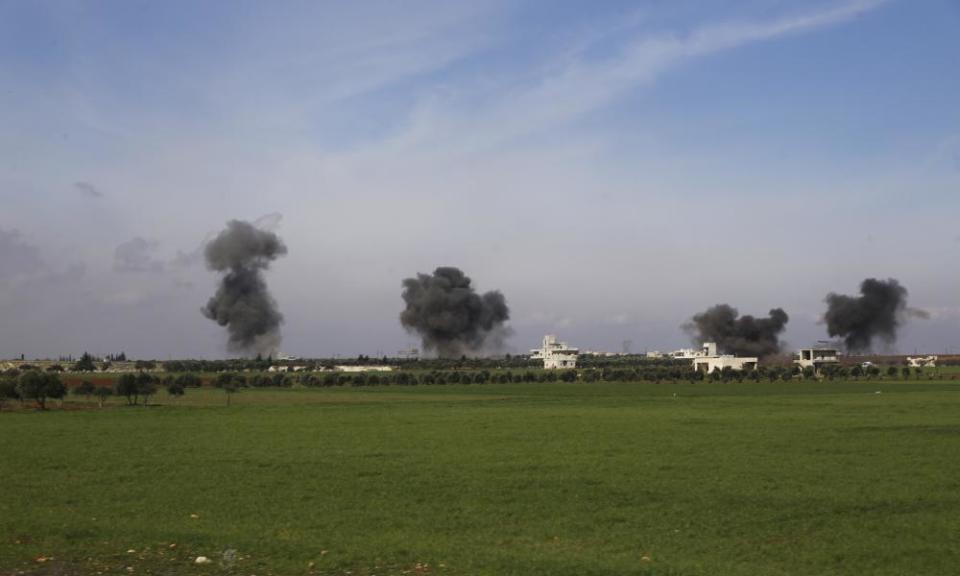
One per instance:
(612,167)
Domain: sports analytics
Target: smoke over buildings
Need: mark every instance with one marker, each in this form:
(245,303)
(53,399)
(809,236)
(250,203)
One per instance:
(243,303)
(877,313)
(739,335)
(450,316)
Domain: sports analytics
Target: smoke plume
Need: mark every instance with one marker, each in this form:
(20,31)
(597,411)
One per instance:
(449,315)
(878,312)
(739,335)
(243,303)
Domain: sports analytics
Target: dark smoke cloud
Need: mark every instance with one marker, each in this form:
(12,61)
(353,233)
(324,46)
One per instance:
(739,335)
(243,303)
(449,315)
(877,313)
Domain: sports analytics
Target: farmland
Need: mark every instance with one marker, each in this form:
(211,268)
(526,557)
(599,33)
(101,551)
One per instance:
(802,477)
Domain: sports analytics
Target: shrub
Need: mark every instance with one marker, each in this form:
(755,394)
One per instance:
(86,388)
(331,379)
(175,388)
(188,381)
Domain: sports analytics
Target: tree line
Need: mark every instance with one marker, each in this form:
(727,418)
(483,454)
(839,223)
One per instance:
(39,387)
(137,388)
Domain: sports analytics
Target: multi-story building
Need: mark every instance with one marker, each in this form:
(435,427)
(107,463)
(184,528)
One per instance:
(555,354)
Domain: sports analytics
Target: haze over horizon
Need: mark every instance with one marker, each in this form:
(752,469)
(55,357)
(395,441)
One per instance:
(612,168)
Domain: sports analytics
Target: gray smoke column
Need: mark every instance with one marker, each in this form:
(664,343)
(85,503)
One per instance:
(449,315)
(739,335)
(877,313)
(243,303)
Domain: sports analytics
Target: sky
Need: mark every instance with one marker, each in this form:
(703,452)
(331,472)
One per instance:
(612,167)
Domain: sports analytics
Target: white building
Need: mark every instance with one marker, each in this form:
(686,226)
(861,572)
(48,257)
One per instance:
(286,368)
(707,360)
(555,354)
(816,358)
(922,361)
(364,368)
(707,349)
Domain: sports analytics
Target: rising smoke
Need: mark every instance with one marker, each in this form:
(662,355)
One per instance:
(877,313)
(740,335)
(449,315)
(243,303)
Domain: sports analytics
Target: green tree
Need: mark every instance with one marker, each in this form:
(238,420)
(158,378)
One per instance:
(141,365)
(906,372)
(102,393)
(85,364)
(230,383)
(8,389)
(127,387)
(55,387)
(39,386)
(86,389)
(146,386)
(892,371)
(30,387)
(231,388)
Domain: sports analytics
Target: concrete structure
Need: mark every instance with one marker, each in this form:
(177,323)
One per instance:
(707,360)
(705,350)
(816,358)
(711,363)
(555,354)
(364,368)
(922,361)
(286,368)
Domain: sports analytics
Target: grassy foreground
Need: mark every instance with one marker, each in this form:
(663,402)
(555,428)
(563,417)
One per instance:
(552,479)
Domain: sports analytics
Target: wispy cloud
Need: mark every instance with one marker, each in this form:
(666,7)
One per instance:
(137,255)
(88,189)
(16,256)
(581,84)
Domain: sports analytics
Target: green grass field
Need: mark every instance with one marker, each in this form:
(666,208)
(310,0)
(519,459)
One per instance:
(526,479)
